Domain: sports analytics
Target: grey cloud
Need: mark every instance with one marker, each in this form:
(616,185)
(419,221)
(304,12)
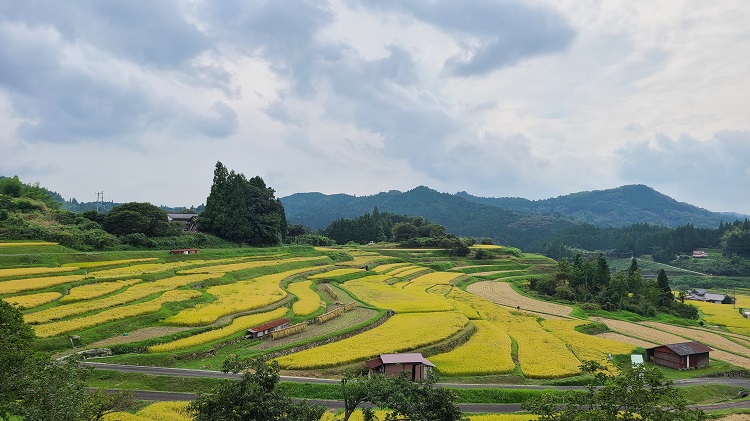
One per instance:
(222,121)
(714,169)
(508,31)
(151,33)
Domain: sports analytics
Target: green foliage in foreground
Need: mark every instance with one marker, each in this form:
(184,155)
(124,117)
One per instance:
(634,394)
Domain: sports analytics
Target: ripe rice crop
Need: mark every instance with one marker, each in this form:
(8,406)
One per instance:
(238,325)
(235,267)
(485,246)
(412,271)
(308,301)
(85,292)
(85,265)
(335,273)
(28,284)
(234,298)
(398,271)
(502,417)
(540,354)
(402,332)
(486,352)
(28,244)
(586,347)
(145,268)
(119,313)
(434,278)
(386,268)
(34,270)
(136,292)
(33,300)
(158,411)
(373,290)
(726,315)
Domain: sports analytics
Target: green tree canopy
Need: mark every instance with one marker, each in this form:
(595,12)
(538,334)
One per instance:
(255,397)
(134,217)
(242,210)
(640,393)
(16,355)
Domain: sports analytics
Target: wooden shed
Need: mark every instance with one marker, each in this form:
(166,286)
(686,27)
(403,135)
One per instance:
(414,365)
(266,328)
(184,251)
(680,356)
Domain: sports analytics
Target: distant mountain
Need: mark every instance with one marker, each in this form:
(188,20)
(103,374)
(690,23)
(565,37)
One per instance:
(514,221)
(618,207)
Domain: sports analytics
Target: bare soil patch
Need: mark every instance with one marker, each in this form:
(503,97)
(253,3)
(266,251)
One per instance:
(502,293)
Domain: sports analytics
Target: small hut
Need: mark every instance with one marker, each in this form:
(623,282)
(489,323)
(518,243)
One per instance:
(414,365)
(266,328)
(679,356)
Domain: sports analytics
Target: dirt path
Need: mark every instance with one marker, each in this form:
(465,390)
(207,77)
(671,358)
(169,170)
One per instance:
(502,293)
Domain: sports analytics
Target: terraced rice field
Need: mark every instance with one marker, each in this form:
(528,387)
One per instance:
(308,301)
(31,284)
(401,332)
(490,342)
(726,315)
(374,290)
(502,293)
(33,300)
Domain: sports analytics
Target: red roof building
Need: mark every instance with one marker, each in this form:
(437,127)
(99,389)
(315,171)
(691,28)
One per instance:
(266,328)
(414,365)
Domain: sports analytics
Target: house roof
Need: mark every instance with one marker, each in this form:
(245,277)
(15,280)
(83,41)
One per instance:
(686,348)
(269,325)
(406,358)
(181,216)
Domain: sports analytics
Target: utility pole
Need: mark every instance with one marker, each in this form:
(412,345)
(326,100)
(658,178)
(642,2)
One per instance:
(99,200)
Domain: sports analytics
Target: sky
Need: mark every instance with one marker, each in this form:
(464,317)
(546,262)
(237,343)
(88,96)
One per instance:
(499,98)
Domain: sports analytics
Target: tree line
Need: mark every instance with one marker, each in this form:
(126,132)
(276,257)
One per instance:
(591,282)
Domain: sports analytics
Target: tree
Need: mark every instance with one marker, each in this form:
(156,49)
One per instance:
(242,210)
(134,217)
(255,397)
(403,231)
(639,393)
(16,356)
(404,399)
(666,297)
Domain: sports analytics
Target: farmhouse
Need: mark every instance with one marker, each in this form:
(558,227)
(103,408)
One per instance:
(699,254)
(266,328)
(188,220)
(679,356)
(709,297)
(184,251)
(414,365)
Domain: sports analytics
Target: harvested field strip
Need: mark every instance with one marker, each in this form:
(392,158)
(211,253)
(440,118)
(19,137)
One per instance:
(308,301)
(373,290)
(138,335)
(586,347)
(86,292)
(238,325)
(660,337)
(499,274)
(119,313)
(335,273)
(486,352)
(33,300)
(490,268)
(627,339)
(713,340)
(402,332)
(502,293)
(134,293)
(235,267)
(235,298)
(390,266)
(36,270)
(86,265)
(28,284)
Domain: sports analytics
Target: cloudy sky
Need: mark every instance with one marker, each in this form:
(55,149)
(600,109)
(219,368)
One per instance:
(535,98)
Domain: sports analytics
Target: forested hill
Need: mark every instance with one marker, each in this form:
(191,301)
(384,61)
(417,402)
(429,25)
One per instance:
(460,216)
(618,207)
